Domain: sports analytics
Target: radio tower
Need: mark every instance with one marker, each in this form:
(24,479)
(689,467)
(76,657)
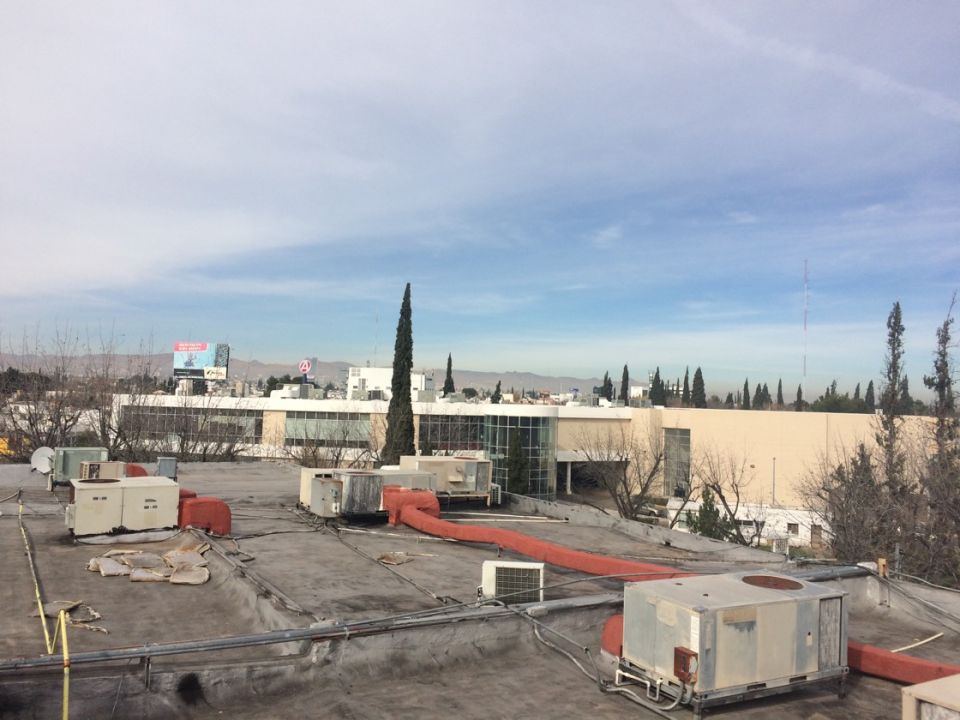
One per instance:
(806,305)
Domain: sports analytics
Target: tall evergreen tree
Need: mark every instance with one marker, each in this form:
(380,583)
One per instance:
(399,438)
(906,402)
(676,388)
(729,402)
(518,466)
(448,387)
(607,387)
(699,393)
(869,398)
(798,405)
(685,395)
(658,394)
(888,433)
(757,403)
(946,459)
(780,393)
(856,392)
(625,387)
(746,395)
(497,395)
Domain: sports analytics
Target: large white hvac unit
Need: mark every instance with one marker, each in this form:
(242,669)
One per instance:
(345,492)
(101,506)
(455,475)
(717,639)
(511,582)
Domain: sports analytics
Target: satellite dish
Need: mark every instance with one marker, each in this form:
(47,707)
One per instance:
(42,460)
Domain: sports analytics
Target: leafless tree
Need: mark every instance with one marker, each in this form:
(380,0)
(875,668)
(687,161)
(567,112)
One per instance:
(724,475)
(625,464)
(46,406)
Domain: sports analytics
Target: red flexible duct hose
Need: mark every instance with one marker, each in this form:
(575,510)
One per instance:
(420,510)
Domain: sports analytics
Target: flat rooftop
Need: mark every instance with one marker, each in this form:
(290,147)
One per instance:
(283,569)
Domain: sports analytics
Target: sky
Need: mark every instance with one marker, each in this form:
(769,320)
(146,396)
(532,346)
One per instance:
(567,186)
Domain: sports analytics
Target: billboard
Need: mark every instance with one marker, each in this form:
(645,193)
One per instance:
(200,360)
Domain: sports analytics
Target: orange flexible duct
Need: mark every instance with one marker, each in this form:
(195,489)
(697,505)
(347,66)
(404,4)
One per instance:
(420,510)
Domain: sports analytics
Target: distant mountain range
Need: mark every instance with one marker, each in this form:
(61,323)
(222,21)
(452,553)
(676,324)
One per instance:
(322,371)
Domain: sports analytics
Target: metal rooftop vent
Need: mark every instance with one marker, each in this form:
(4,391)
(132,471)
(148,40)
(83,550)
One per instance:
(512,582)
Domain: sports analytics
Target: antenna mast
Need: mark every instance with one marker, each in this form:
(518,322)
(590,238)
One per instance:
(806,306)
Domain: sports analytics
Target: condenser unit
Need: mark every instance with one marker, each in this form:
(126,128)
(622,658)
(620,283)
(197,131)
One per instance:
(325,497)
(512,582)
(362,492)
(149,503)
(102,470)
(717,639)
(66,463)
(495,494)
(96,506)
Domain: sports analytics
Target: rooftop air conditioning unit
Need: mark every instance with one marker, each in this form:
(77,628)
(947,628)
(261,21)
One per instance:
(718,639)
(512,582)
(66,463)
(90,470)
(495,495)
(362,492)
(307,476)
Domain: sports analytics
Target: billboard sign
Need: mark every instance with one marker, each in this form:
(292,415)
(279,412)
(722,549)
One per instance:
(200,360)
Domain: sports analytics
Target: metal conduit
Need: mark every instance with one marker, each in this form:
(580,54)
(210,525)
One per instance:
(313,634)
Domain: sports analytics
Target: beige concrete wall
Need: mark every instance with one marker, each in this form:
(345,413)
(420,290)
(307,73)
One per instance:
(573,433)
(274,427)
(780,448)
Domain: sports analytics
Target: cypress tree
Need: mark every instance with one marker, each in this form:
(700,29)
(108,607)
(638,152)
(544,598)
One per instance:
(767,400)
(518,467)
(625,387)
(891,399)
(658,395)
(699,393)
(780,393)
(607,387)
(746,395)
(856,392)
(729,402)
(399,439)
(497,395)
(448,388)
(685,395)
(798,405)
(757,398)
(869,398)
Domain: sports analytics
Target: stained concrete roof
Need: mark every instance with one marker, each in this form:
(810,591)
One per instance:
(282,569)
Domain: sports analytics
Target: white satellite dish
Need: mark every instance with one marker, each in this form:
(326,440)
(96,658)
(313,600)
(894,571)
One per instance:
(42,460)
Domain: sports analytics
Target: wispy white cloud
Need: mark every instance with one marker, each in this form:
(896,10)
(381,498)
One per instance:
(606,237)
(867,79)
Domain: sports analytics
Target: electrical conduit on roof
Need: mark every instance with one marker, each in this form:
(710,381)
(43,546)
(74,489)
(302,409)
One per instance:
(421,511)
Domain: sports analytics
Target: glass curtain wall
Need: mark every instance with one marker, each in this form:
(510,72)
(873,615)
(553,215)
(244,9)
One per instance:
(538,442)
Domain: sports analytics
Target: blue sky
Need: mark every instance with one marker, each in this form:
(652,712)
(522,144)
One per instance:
(567,186)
